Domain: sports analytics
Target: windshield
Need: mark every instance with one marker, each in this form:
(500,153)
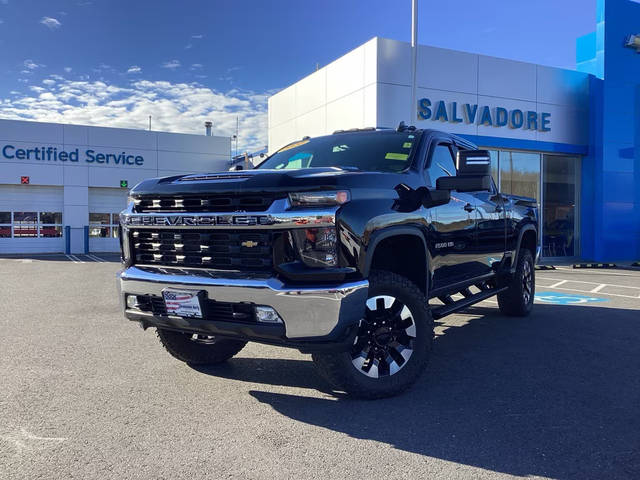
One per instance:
(378,151)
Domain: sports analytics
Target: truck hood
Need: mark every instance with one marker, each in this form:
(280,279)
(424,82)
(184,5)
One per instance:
(267,181)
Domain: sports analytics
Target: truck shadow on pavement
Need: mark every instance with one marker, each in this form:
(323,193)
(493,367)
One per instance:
(556,394)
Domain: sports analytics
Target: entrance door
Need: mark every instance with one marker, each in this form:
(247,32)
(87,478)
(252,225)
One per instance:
(559,229)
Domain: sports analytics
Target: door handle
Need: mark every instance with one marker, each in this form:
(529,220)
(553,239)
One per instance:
(469,208)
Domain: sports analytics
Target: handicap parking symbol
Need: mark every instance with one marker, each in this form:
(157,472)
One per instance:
(566,298)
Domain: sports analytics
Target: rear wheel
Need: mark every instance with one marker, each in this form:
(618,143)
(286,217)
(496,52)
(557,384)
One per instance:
(392,345)
(197,349)
(517,300)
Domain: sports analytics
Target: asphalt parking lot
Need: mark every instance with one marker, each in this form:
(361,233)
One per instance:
(86,394)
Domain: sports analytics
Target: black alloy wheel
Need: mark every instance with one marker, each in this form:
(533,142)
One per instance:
(386,337)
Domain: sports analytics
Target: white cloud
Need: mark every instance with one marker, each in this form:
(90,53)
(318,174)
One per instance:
(134,69)
(198,36)
(68,69)
(195,66)
(189,46)
(31,65)
(172,64)
(50,22)
(49,82)
(174,107)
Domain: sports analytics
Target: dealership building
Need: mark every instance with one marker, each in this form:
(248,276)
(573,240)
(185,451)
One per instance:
(569,138)
(62,186)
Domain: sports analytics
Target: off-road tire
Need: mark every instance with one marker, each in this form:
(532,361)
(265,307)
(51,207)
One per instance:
(338,369)
(517,300)
(182,347)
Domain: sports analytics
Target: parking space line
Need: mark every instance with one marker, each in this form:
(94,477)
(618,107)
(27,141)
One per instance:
(94,258)
(601,293)
(76,259)
(598,288)
(593,283)
(571,271)
(557,284)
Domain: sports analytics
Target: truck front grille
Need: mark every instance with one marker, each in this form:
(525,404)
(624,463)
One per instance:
(215,249)
(203,203)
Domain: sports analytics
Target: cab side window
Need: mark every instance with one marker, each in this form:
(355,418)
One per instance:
(442,164)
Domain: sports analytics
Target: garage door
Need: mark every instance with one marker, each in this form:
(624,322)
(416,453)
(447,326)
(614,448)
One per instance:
(104,206)
(31,219)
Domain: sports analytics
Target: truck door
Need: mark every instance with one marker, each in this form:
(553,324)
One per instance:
(491,229)
(452,230)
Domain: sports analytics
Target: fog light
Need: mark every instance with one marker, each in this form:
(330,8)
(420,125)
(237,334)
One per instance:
(267,315)
(132,301)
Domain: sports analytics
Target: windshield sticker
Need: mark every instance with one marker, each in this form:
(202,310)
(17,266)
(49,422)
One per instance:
(396,156)
(292,145)
(407,145)
(340,148)
(411,136)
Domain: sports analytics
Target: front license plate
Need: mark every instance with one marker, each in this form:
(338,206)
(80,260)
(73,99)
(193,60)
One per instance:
(183,303)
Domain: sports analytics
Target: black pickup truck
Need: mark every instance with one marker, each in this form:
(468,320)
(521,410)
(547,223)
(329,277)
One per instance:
(338,246)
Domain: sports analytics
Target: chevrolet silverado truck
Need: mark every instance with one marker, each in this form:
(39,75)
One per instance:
(345,246)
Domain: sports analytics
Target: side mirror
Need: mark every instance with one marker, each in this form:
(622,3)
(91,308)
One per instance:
(236,168)
(473,163)
(474,173)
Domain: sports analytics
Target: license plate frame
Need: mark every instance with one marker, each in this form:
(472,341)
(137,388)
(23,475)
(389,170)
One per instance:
(183,302)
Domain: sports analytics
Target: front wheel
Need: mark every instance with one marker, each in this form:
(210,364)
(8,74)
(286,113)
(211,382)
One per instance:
(392,345)
(197,349)
(517,300)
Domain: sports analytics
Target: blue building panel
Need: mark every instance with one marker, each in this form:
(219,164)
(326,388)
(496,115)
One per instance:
(611,172)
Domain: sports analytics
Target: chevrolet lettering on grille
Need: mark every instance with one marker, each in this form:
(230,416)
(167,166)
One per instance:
(199,220)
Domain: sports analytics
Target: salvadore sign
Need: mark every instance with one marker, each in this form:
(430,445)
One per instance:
(52,154)
(472,113)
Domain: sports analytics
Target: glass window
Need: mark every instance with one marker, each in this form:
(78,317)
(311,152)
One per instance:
(442,164)
(559,216)
(520,174)
(51,217)
(99,219)
(5,224)
(25,224)
(494,165)
(101,225)
(50,231)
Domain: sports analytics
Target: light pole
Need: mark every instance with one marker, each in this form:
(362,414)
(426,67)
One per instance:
(414,60)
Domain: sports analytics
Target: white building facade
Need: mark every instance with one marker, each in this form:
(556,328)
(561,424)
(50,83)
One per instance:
(534,119)
(62,186)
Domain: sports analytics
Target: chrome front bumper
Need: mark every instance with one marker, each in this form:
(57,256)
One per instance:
(307,311)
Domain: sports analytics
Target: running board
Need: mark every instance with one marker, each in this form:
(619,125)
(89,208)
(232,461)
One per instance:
(444,310)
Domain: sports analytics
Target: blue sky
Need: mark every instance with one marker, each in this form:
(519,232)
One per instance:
(114,62)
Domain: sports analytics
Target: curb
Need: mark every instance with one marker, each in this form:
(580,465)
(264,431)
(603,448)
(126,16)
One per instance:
(594,265)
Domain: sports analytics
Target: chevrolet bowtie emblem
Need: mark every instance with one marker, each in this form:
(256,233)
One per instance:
(249,244)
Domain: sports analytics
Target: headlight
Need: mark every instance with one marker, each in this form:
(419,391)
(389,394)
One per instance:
(317,247)
(317,199)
